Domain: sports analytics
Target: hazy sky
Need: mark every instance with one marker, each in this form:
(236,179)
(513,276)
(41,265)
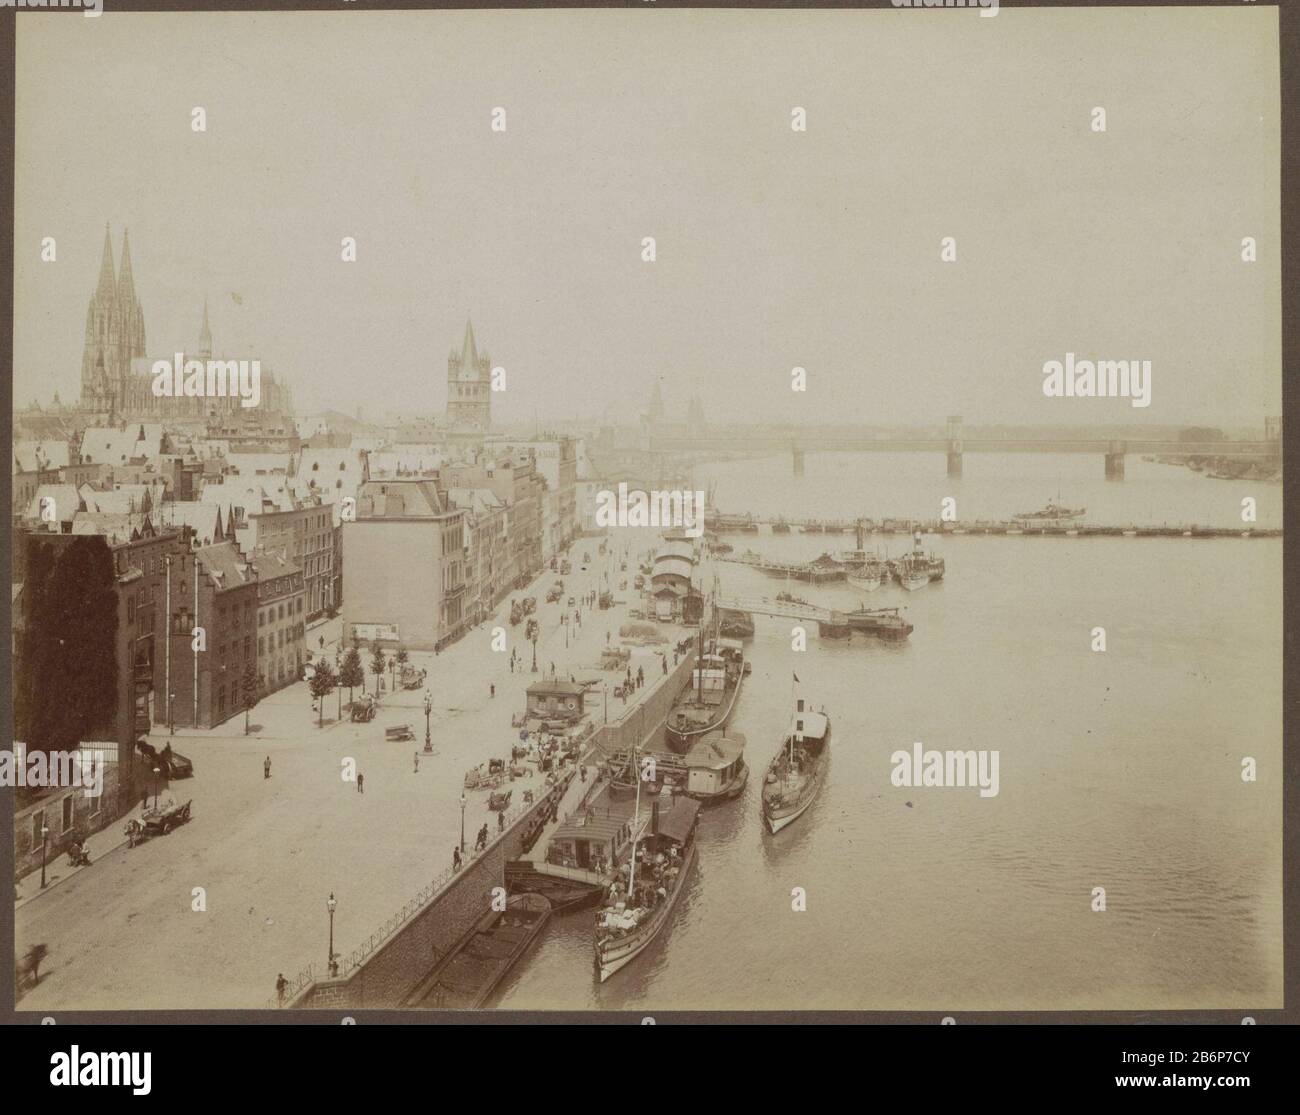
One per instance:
(775,248)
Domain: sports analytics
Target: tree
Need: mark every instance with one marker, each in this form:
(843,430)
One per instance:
(402,657)
(67,688)
(351,673)
(322,685)
(377,665)
(249,685)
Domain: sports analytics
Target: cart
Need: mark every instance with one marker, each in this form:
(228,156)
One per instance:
(499,801)
(400,732)
(157,821)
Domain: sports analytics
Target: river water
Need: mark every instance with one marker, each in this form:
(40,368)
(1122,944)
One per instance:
(1119,770)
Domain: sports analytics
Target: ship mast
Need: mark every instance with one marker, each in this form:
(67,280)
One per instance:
(636,821)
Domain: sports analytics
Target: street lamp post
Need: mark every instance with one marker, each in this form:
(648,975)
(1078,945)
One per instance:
(171,718)
(462,821)
(45,832)
(330,904)
(428,709)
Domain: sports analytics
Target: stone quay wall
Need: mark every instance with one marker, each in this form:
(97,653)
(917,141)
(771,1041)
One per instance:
(389,973)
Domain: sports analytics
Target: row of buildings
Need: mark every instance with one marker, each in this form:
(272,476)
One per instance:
(171,555)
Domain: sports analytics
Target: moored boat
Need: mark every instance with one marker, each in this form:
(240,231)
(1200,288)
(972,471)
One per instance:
(636,911)
(715,767)
(912,574)
(1053,515)
(736,625)
(796,772)
(467,976)
(885,623)
(868,576)
(708,701)
(932,565)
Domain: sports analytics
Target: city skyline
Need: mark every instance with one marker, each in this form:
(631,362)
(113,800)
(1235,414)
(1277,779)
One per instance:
(765,261)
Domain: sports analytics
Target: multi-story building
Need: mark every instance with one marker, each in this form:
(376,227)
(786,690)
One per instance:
(513,478)
(273,514)
(405,554)
(138,556)
(556,461)
(486,550)
(281,626)
(213,588)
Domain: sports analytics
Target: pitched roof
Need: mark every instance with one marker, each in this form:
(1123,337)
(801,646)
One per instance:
(117,528)
(29,456)
(716,751)
(225,565)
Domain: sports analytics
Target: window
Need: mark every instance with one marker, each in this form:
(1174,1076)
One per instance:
(260,648)
(67,812)
(38,823)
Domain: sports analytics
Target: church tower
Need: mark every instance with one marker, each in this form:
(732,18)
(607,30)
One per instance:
(469,387)
(114,335)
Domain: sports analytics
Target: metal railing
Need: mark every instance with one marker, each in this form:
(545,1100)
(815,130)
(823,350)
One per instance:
(372,944)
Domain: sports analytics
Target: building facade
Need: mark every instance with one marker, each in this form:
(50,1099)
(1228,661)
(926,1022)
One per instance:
(281,622)
(405,554)
(211,638)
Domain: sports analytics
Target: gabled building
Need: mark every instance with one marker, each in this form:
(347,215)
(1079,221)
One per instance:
(405,554)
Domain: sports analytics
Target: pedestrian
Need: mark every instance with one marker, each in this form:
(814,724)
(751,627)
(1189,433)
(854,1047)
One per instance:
(417,763)
(501,821)
(361,783)
(606,638)
(455,858)
(665,661)
(322,642)
(266,768)
(493,688)
(281,985)
(640,676)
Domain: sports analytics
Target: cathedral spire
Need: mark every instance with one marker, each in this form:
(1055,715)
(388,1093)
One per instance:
(107,281)
(125,282)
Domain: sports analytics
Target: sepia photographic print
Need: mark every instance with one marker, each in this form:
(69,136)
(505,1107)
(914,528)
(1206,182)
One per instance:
(647,509)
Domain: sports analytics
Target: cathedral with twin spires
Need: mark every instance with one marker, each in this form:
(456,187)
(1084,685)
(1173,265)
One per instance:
(116,375)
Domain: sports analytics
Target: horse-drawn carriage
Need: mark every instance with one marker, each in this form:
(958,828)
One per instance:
(157,821)
(363,708)
(486,776)
(499,800)
(171,764)
(411,677)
